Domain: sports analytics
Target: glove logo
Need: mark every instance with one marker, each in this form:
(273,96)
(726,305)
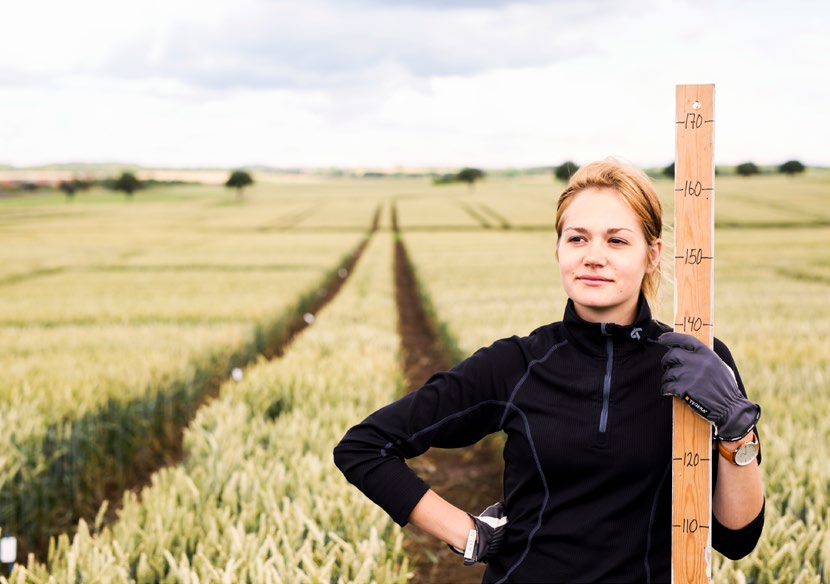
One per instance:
(635,334)
(696,405)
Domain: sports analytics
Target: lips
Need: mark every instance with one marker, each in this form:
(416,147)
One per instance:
(593,280)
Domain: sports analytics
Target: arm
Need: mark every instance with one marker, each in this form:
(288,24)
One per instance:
(476,538)
(739,493)
(738,506)
(442,519)
(453,409)
(738,500)
(713,386)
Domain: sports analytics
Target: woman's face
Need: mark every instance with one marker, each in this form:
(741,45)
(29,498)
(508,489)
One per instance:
(603,256)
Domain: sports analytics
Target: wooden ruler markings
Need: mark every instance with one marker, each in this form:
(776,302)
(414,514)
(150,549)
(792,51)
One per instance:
(694,200)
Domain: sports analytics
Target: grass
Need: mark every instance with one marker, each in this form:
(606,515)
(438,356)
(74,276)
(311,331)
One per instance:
(120,319)
(771,307)
(256,497)
(112,297)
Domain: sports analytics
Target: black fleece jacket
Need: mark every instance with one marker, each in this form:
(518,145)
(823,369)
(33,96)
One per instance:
(587,477)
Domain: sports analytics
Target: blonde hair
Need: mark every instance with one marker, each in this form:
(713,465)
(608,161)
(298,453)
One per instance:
(636,190)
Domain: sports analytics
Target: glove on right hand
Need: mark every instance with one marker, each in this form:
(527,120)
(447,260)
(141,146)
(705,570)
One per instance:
(695,373)
(486,539)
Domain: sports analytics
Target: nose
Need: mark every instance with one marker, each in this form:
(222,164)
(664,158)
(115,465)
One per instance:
(594,255)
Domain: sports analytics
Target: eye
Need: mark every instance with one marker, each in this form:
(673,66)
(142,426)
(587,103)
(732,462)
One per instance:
(617,241)
(576,238)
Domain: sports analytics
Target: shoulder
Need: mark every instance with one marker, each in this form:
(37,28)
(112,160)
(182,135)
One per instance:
(658,328)
(721,349)
(525,348)
(544,338)
(499,364)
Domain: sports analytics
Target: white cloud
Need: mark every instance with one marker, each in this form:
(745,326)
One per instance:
(278,44)
(354,82)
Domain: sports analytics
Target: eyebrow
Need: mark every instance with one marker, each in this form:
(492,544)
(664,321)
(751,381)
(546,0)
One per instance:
(610,230)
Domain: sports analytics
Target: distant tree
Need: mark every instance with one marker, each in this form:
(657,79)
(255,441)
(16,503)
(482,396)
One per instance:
(69,187)
(747,169)
(470,175)
(128,183)
(239,179)
(565,170)
(792,167)
(669,170)
(82,184)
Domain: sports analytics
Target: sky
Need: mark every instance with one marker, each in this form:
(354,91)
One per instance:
(406,83)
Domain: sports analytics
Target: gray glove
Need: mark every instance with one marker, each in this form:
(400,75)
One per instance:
(486,539)
(694,372)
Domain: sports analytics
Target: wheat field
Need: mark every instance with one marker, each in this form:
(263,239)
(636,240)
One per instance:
(108,302)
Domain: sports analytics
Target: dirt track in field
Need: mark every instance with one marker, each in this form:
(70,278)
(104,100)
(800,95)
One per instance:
(470,478)
(173,446)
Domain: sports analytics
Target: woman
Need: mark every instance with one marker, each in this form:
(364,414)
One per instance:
(587,479)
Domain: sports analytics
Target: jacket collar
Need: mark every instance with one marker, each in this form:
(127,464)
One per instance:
(592,337)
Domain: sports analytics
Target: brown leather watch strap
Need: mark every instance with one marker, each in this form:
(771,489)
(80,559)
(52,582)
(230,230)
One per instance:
(730,454)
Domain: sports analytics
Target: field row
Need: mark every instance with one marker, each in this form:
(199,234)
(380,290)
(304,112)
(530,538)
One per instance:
(115,331)
(256,497)
(786,381)
(138,304)
(776,326)
(333,205)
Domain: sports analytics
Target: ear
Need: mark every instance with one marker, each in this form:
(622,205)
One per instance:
(654,252)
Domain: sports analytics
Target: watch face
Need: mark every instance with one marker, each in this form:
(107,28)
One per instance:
(746,453)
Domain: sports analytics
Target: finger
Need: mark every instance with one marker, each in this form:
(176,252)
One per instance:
(671,359)
(494,510)
(679,341)
(671,386)
(494,522)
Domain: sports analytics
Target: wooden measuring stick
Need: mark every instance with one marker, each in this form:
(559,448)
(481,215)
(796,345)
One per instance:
(694,204)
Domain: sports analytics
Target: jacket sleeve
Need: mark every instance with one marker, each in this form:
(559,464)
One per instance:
(734,543)
(737,543)
(454,408)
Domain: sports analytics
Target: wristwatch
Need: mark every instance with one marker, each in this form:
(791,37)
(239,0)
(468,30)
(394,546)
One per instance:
(744,454)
